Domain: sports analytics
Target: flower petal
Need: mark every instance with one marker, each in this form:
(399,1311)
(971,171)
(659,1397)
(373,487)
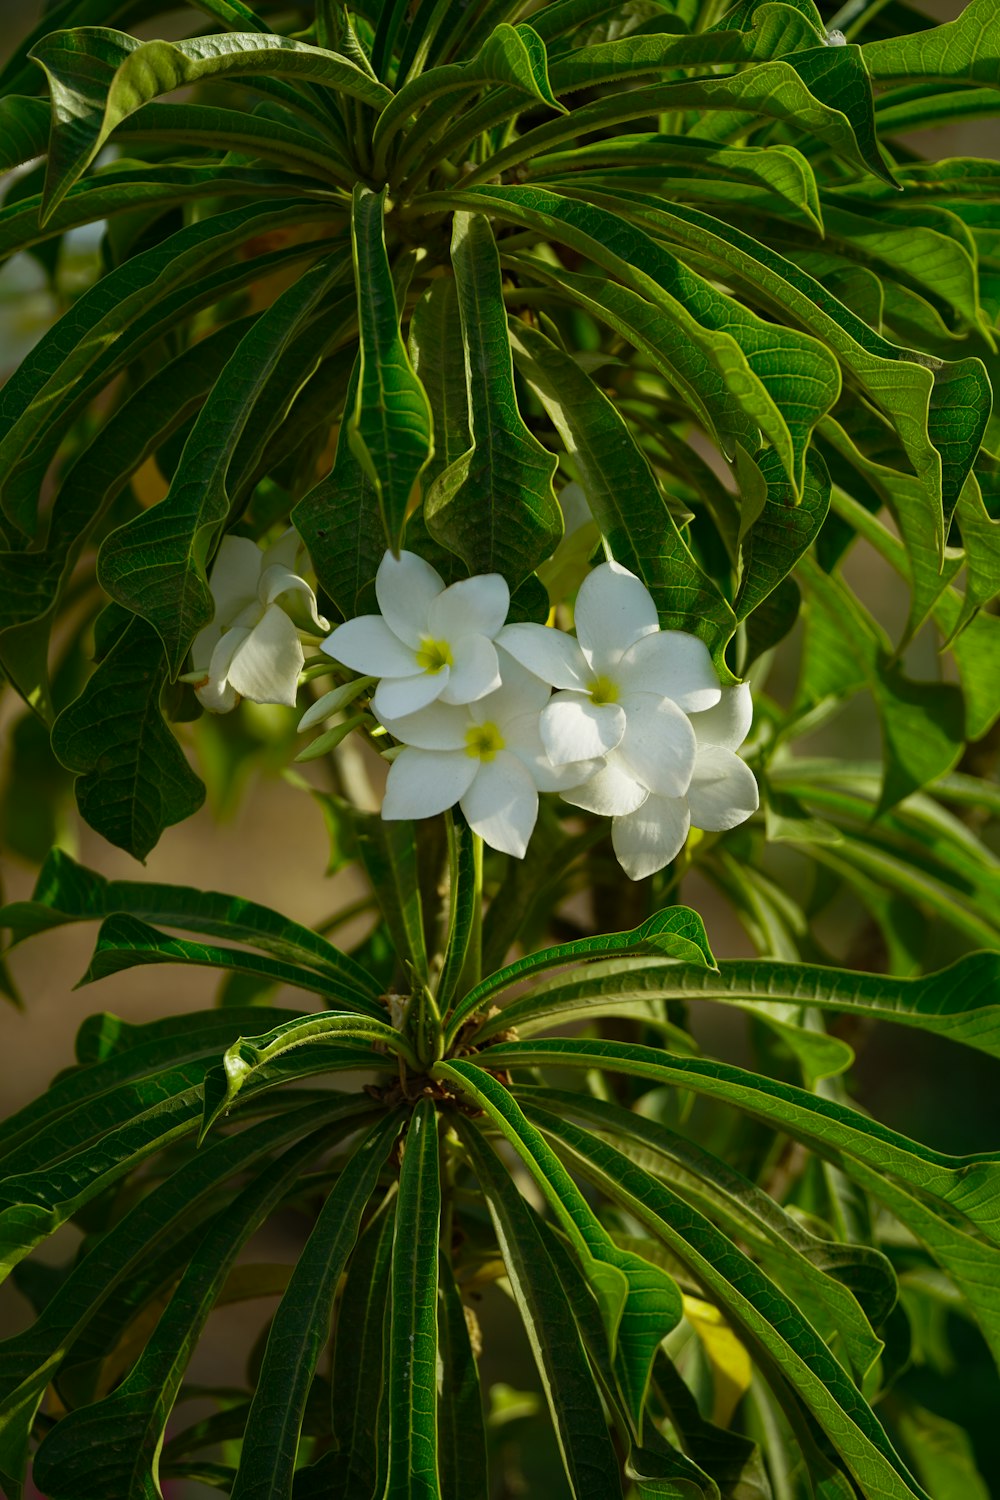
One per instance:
(436,727)
(203,645)
(610,792)
(728,723)
(267,664)
(234,577)
(422,783)
(215,694)
(650,838)
(613,610)
(658,745)
(278,582)
(573,728)
(395,697)
(673,665)
(405,587)
(501,805)
(368,645)
(475,670)
(474,606)
(523,736)
(550,654)
(723,792)
(520,692)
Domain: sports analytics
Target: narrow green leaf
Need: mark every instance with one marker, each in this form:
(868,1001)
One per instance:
(640,533)
(389,854)
(677,932)
(785,381)
(134,779)
(155,565)
(966,1184)
(843,1289)
(639,1303)
(464,903)
(461,1430)
(389,429)
(359,1377)
(340,522)
(733,1460)
(30,1359)
(131,73)
(511,55)
(113,1445)
(495,505)
(125,942)
(772,1325)
(249,1055)
(966,50)
(413,1344)
(783,530)
(541,1296)
(301,1324)
(24,130)
(68,892)
(439,360)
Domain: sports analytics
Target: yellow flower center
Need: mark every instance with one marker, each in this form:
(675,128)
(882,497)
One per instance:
(604,691)
(482,741)
(433,655)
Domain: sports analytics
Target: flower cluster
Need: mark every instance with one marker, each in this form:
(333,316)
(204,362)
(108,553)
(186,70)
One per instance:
(637,727)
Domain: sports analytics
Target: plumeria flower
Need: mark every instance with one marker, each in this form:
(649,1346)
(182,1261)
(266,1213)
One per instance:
(722,793)
(252,648)
(625,689)
(429,642)
(487,756)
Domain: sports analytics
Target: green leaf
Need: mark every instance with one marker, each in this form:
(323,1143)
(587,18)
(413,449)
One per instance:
(113,1052)
(464,908)
(677,932)
(439,360)
(776,90)
(921,722)
(24,130)
(112,322)
(155,564)
(301,1324)
(495,505)
(112,1445)
(250,1054)
(782,532)
(640,533)
(957,1002)
(840,1134)
(413,1342)
(134,779)
(33,583)
(966,50)
(68,892)
(359,1408)
(461,1432)
(389,854)
(941,436)
(512,55)
(942,1455)
(783,380)
(639,1303)
(778,1334)
(389,429)
(541,1296)
(340,521)
(31,1358)
(124,942)
(131,73)
(733,1461)
(842,1289)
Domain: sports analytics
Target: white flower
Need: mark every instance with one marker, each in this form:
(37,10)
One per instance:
(429,642)
(252,649)
(487,756)
(722,793)
(626,688)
